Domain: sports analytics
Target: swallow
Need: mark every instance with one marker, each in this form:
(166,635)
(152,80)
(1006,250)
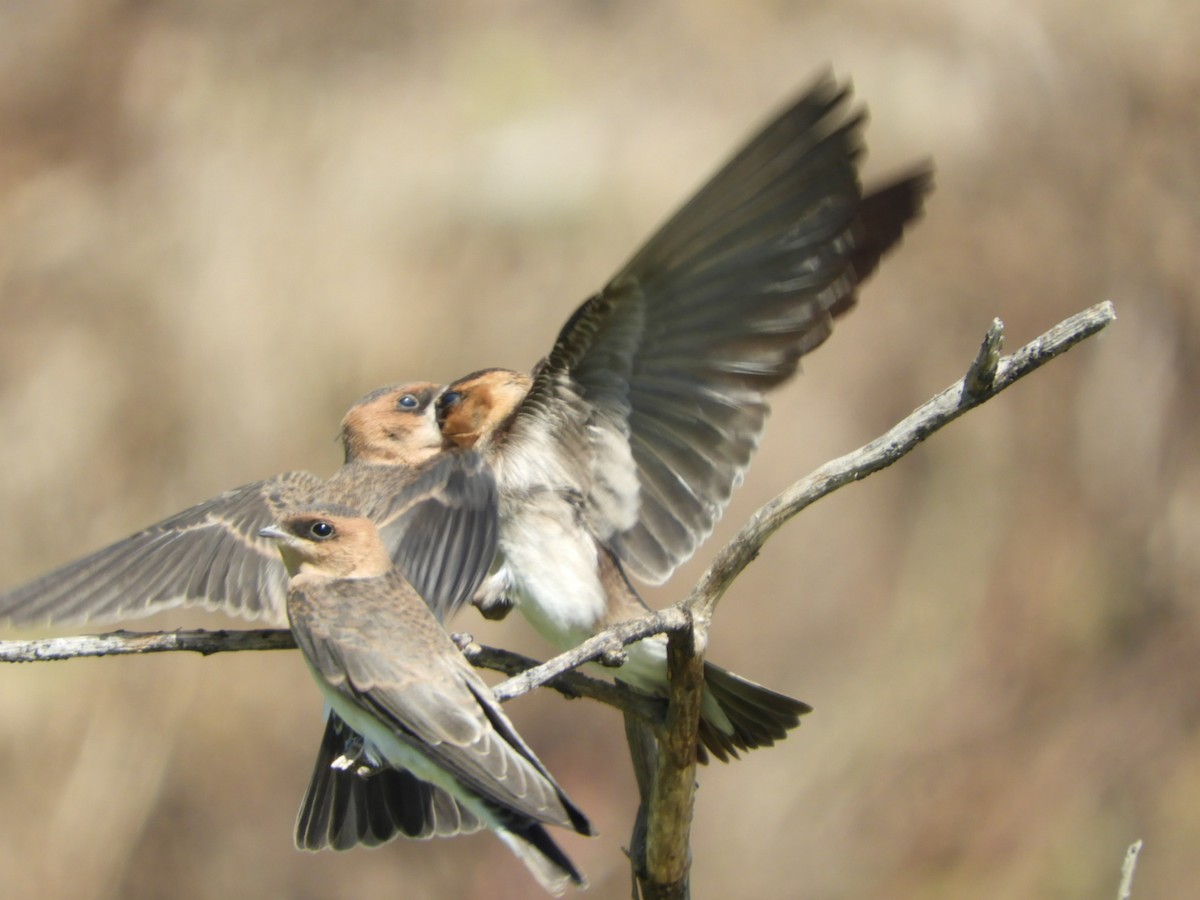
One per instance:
(616,457)
(443,535)
(390,672)
(435,512)
(212,556)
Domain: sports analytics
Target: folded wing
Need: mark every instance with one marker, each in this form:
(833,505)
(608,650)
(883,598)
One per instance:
(390,659)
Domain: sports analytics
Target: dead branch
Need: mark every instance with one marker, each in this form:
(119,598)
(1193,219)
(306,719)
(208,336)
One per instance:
(660,850)
(987,376)
(1128,867)
(126,643)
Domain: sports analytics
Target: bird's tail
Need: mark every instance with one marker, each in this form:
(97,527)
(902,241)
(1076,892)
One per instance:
(348,805)
(741,715)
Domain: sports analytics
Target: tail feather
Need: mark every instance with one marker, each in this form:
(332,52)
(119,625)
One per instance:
(716,741)
(756,716)
(343,809)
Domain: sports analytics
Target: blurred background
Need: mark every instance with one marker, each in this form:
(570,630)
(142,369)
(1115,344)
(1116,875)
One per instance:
(222,223)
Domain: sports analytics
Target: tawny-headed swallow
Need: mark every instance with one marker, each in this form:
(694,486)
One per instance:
(436,513)
(443,531)
(212,556)
(620,452)
(389,671)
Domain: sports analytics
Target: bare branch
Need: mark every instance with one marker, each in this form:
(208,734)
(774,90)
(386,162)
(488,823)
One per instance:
(660,848)
(1128,867)
(978,387)
(643,753)
(982,374)
(988,375)
(131,643)
(569,684)
(605,646)
(672,799)
(127,643)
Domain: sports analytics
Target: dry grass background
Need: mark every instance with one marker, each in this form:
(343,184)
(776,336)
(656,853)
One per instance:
(221,223)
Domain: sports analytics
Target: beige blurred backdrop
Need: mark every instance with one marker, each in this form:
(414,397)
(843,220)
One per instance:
(221,223)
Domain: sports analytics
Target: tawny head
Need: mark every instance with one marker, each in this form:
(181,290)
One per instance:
(394,425)
(476,406)
(329,542)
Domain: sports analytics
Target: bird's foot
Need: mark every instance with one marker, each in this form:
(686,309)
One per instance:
(494,608)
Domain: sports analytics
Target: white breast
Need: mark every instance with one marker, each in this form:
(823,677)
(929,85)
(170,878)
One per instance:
(551,566)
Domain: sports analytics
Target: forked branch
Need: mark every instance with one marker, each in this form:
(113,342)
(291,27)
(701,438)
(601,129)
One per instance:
(987,376)
(660,853)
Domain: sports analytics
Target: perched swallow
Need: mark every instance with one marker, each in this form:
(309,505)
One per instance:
(620,452)
(389,671)
(444,534)
(212,555)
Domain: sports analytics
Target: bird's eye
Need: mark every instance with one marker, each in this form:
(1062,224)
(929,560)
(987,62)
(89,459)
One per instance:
(449,399)
(321,530)
(408,401)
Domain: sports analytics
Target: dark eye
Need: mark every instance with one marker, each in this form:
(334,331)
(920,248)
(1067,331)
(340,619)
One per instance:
(408,401)
(321,530)
(449,399)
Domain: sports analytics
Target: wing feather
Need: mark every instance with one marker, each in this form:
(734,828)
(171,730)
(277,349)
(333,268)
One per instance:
(377,645)
(655,387)
(209,555)
(439,522)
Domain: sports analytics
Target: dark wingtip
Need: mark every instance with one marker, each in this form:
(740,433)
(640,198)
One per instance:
(886,212)
(579,821)
(543,858)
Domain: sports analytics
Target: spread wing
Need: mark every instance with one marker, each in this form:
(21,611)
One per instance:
(439,522)
(377,648)
(209,555)
(656,384)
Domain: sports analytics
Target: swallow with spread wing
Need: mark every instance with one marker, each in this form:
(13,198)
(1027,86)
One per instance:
(618,455)
(211,555)
(436,514)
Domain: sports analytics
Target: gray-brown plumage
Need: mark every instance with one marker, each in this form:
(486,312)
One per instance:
(621,451)
(390,672)
(211,555)
(444,548)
